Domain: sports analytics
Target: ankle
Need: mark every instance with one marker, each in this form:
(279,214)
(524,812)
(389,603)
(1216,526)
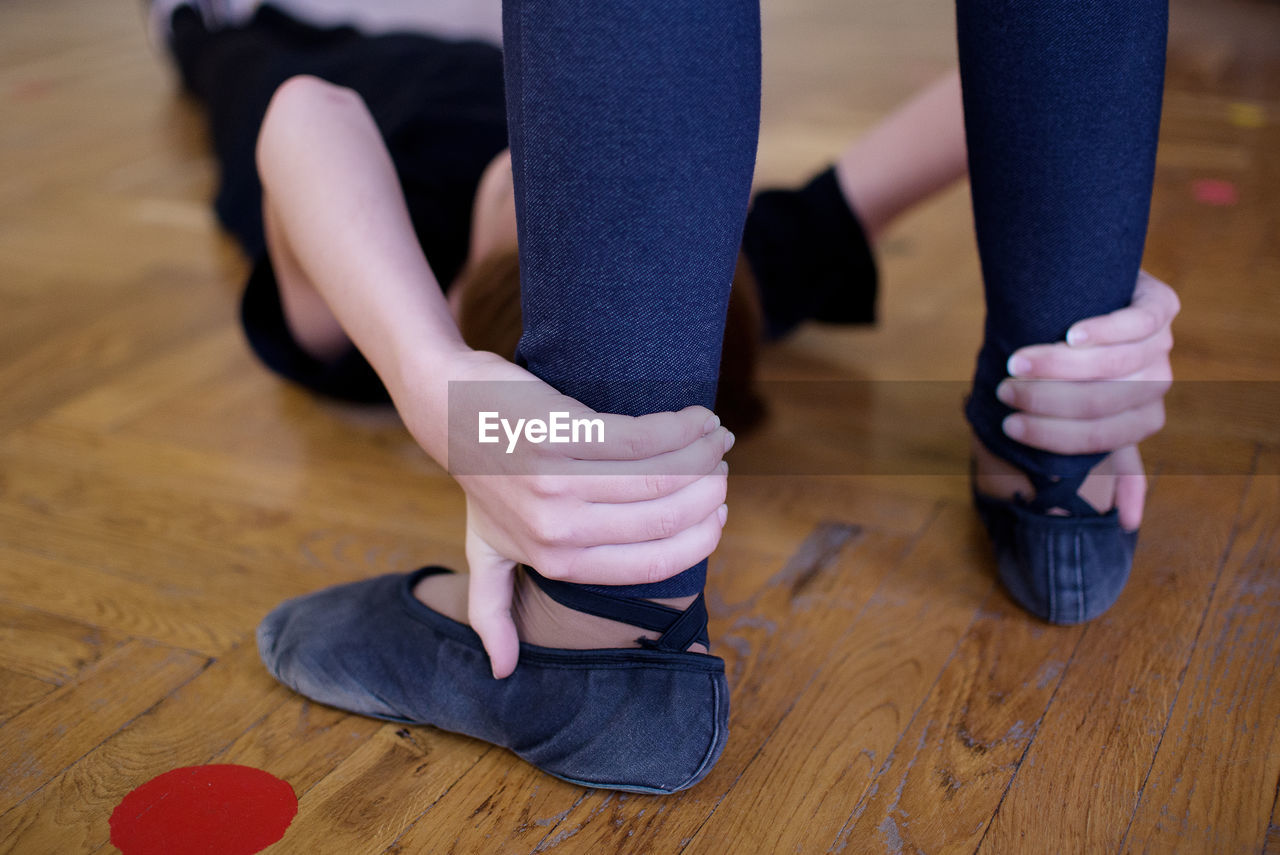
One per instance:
(998,478)
(541,620)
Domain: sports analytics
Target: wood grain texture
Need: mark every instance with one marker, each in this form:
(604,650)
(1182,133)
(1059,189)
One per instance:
(49,736)
(299,742)
(383,787)
(1212,785)
(48,647)
(178,617)
(1272,844)
(76,357)
(496,806)
(1111,711)
(19,691)
(968,739)
(183,727)
(865,697)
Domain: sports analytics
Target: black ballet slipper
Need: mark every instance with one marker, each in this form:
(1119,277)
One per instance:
(642,720)
(1063,569)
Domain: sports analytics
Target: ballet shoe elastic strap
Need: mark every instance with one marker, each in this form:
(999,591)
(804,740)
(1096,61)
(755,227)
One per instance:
(1059,493)
(679,628)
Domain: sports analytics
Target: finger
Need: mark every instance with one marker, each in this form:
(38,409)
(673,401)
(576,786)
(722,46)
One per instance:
(1131,487)
(603,523)
(641,563)
(1092,436)
(1086,399)
(651,477)
(640,437)
(1153,307)
(489,605)
(622,488)
(1110,362)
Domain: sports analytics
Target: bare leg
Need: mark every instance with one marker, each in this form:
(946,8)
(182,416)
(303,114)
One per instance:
(311,321)
(917,151)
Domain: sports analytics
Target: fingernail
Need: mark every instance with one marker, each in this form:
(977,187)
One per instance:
(712,424)
(1077,336)
(1018,365)
(729,440)
(1015,427)
(1005,393)
(723,513)
(724,467)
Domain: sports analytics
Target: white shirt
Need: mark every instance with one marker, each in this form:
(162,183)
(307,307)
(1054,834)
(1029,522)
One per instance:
(450,19)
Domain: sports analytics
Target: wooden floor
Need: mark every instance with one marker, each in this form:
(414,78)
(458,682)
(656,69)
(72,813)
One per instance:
(159,492)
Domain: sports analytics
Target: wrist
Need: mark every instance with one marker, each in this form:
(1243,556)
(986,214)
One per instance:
(419,386)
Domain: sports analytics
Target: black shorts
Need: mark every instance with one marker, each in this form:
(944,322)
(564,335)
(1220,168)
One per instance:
(349,378)
(438,104)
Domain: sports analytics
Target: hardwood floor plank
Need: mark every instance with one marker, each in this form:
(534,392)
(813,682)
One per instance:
(1213,784)
(348,488)
(964,745)
(48,647)
(174,616)
(299,742)
(1115,696)
(19,691)
(821,760)
(171,376)
(257,415)
(242,551)
(1272,845)
(165,530)
(501,804)
(771,511)
(70,473)
(72,361)
(381,789)
(46,738)
(189,726)
(824,427)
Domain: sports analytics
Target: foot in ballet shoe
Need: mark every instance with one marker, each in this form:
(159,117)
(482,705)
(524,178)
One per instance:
(652,719)
(1062,557)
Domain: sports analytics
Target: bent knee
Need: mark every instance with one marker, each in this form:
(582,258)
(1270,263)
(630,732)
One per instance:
(307,92)
(298,104)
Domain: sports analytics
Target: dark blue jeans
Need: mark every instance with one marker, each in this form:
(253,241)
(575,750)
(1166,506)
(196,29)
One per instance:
(633,127)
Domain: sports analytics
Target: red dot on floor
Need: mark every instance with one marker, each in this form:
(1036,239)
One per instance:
(218,810)
(1209,191)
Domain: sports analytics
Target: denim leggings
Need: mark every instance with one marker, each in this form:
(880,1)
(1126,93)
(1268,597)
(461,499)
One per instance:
(633,128)
(1062,111)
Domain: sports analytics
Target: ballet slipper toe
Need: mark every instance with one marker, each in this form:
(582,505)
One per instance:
(1062,569)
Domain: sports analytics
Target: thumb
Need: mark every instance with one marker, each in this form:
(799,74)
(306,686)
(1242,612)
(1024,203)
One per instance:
(1131,486)
(489,603)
